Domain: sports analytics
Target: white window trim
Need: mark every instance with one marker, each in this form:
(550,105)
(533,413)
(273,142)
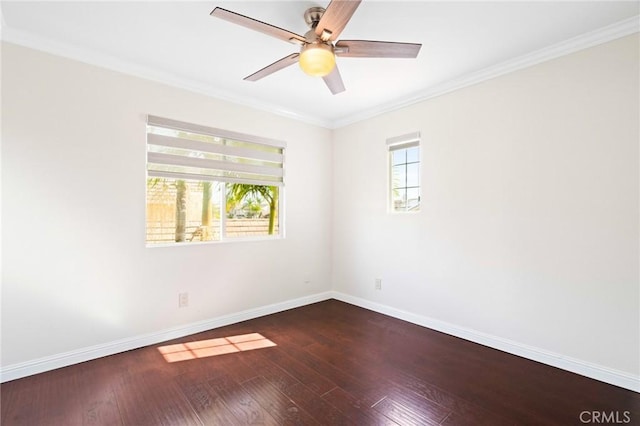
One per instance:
(407,140)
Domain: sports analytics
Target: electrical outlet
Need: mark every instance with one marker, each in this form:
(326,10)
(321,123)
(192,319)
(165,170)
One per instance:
(378,283)
(183,300)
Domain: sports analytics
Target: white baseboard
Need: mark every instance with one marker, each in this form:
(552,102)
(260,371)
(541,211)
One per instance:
(593,371)
(28,368)
(597,372)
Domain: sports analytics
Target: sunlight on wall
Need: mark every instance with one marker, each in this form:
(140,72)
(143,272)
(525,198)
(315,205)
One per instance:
(213,347)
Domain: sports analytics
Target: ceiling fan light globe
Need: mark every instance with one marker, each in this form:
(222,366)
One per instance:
(317,59)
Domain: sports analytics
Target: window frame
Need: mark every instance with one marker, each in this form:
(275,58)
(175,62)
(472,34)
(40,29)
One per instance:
(394,144)
(227,177)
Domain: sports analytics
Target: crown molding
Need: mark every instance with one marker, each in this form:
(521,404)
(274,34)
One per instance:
(602,35)
(584,41)
(88,56)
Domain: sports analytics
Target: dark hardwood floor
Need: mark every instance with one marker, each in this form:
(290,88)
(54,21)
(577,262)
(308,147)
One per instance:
(333,364)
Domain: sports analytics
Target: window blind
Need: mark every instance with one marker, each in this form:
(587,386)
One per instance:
(404,141)
(180,150)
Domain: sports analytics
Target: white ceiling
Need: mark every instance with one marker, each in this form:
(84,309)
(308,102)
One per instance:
(179,43)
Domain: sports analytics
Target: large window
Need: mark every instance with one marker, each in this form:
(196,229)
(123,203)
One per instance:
(404,164)
(207,184)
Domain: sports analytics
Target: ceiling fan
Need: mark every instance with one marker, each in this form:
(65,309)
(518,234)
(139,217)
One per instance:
(318,51)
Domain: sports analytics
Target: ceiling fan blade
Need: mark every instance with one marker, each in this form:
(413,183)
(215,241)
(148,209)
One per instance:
(256,25)
(276,66)
(376,49)
(334,81)
(335,18)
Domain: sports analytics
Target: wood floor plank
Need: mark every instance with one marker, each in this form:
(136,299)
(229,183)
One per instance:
(285,332)
(357,376)
(208,405)
(462,409)
(322,411)
(303,396)
(501,391)
(356,382)
(409,408)
(153,398)
(281,408)
(66,396)
(356,410)
(401,414)
(265,368)
(234,366)
(306,375)
(381,372)
(239,402)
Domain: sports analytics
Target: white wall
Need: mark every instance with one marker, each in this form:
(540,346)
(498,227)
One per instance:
(529,222)
(528,231)
(76,271)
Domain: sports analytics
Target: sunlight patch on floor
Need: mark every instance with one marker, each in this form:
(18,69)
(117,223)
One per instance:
(214,347)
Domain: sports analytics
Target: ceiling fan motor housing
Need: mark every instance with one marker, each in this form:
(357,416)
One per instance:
(312,16)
